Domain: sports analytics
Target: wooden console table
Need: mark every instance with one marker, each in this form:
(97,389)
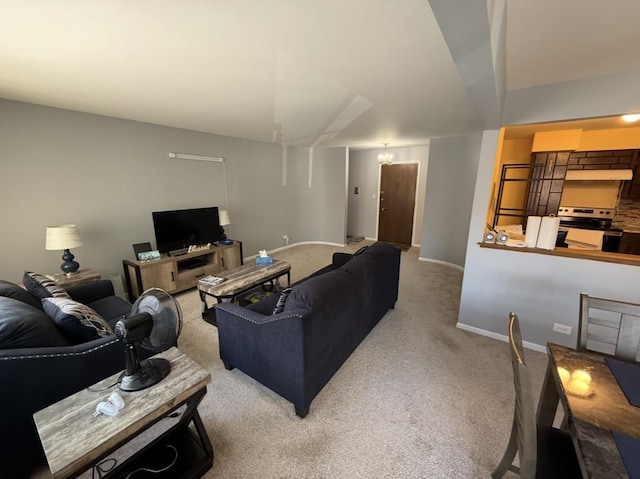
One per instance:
(74,440)
(178,273)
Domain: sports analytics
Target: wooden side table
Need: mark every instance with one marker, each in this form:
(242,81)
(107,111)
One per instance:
(82,276)
(74,440)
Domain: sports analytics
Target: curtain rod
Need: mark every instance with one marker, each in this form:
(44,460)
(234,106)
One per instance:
(185,156)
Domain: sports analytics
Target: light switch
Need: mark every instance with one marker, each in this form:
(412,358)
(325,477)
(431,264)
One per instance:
(355,190)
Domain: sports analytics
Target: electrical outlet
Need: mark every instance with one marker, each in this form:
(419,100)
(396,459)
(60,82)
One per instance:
(562,328)
(285,238)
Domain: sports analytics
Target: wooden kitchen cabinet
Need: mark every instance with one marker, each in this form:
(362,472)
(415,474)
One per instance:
(178,273)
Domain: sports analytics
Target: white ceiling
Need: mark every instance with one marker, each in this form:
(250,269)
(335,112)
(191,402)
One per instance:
(331,72)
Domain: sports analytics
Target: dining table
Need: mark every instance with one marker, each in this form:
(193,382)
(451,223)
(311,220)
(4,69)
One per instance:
(596,392)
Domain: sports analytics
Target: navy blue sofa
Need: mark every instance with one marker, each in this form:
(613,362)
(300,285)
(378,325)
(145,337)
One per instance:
(36,377)
(296,352)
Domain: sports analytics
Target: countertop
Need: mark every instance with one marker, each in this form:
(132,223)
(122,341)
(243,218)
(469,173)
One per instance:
(626,226)
(630,259)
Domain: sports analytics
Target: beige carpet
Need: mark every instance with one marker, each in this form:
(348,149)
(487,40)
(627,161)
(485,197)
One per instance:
(419,398)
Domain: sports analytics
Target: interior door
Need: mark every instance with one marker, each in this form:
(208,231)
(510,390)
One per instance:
(397,203)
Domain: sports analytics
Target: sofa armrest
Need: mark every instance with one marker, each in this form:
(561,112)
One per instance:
(269,348)
(92,291)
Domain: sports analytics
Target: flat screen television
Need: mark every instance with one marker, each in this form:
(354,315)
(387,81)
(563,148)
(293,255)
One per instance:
(178,229)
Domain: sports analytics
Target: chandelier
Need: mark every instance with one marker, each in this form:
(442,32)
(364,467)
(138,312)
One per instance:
(385,158)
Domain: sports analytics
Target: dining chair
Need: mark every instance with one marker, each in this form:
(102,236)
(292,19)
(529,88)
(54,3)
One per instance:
(547,453)
(609,326)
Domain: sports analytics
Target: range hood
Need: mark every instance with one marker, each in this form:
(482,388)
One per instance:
(590,175)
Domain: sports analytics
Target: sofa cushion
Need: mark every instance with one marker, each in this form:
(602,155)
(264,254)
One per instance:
(333,287)
(12,290)
(282,299)
(78,322)
(42,287)
(23,326)
(111,308)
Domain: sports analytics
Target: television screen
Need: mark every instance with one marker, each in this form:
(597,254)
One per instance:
(180,229)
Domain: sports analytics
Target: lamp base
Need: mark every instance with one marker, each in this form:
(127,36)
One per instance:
(69,266)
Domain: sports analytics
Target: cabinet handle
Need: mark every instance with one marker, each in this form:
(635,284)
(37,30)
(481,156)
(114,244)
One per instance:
(199,275)
(222,262)
(172,277)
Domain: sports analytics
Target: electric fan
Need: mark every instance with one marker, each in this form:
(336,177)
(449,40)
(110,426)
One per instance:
(154,323)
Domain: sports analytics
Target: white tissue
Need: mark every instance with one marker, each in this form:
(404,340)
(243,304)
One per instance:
(533,228)
(548,232)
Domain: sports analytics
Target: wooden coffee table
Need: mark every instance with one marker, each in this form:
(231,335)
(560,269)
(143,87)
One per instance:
(74,440)
(238,281)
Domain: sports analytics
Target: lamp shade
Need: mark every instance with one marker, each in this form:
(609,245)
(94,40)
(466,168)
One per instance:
(224,218)
(62,237)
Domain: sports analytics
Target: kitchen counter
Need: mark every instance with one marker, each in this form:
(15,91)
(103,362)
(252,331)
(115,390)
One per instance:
(627,216)
(630,259)
(629,228)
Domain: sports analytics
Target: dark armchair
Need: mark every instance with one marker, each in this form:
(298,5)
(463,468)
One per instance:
(36,377)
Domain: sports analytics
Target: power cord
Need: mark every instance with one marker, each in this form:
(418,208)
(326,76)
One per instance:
(102,389)
(156,471)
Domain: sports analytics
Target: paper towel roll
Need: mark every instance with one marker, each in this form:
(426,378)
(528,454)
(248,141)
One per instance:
(533,228)
(548,232)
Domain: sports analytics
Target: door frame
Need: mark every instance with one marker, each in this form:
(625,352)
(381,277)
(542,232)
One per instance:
(415,200)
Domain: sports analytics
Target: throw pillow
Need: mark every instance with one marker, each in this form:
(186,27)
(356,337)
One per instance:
(78,322)
(42,287)
(23,326)
(12,290)
(279,308)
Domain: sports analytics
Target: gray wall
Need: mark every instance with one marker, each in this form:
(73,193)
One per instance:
(453,165)
(317,212)
(602,96)
(541,289)
(107,175)
(363,174)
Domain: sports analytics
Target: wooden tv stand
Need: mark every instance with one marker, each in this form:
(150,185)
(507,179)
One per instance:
(178,273)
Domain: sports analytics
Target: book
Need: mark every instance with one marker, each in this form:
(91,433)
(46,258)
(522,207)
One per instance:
(212,279)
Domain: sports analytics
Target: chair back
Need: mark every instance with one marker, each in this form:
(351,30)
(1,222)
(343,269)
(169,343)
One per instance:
(609,326)
(524,415)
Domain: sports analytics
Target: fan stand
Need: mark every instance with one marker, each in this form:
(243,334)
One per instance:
(141,374)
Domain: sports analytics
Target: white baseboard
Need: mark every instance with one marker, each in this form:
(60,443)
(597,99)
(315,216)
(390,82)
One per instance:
(446,263)
(500,337)
(291,245)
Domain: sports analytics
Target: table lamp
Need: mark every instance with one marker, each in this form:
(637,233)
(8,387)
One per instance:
(224,221)
(64,237)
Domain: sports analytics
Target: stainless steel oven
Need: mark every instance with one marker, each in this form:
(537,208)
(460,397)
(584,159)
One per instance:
(590,218)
